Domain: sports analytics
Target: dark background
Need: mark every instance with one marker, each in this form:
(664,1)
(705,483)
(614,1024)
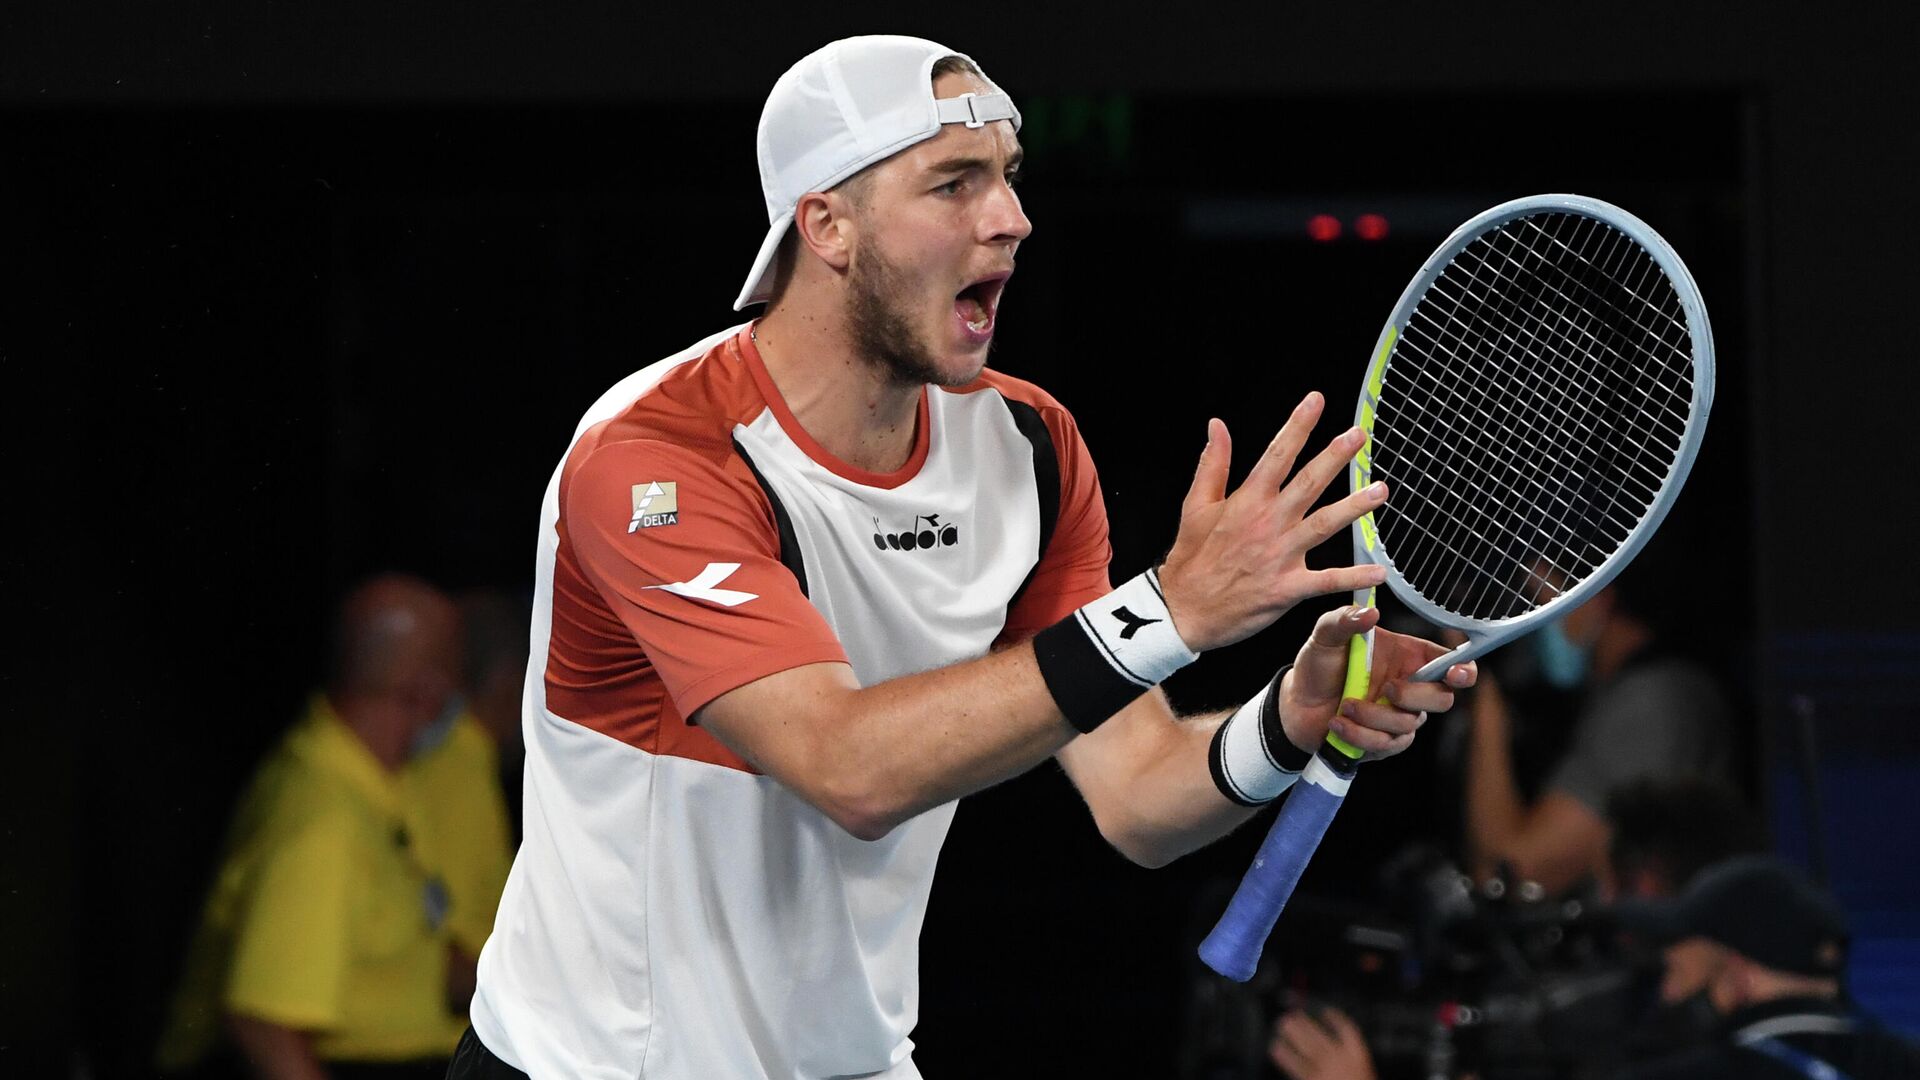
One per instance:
(298,295)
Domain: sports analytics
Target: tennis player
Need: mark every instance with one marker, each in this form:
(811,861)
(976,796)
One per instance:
(805,583)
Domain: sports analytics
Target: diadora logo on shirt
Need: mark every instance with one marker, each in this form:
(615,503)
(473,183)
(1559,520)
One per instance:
(927,531)
(655,503)
(706,586)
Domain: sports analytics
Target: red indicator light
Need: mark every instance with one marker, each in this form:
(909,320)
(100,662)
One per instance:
(1323,228)
(1370,227)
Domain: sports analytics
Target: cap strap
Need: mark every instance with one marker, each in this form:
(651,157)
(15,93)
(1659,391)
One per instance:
(975,110)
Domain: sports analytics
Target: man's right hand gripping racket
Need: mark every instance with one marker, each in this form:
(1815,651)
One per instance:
(1534,404)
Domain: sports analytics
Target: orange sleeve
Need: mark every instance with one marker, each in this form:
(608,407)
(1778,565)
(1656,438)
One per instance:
(1073,568)
(684,549)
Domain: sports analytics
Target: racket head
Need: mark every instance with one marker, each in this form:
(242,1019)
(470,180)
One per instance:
(1576,237)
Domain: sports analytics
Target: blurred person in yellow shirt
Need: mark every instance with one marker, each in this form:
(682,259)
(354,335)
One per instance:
(362,868)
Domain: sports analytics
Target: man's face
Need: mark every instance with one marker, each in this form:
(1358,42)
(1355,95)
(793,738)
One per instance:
(937,228)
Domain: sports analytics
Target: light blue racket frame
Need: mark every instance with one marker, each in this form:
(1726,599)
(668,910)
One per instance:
(1233,948)
(1483,636)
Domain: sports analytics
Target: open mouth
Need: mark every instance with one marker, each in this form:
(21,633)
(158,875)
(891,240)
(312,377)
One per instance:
(975,304)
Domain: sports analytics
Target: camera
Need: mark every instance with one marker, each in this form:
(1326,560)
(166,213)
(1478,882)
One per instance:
(1446,977)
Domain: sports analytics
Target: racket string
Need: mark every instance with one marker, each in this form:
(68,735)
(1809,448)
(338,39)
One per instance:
(1529,421)
(1627,248)
(1676,322)
(1548,501)
(1534,419)
(1569,354)
(1586,395)
(1388,452)
(1461,334)
(1518,418)
(1644,381)
(1545,413)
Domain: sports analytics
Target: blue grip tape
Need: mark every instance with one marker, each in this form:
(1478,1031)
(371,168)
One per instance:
(1234,947)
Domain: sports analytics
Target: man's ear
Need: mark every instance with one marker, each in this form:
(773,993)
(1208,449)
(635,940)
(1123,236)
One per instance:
(823,221)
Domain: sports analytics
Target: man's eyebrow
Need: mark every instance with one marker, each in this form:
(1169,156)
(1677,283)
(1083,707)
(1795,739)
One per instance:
(967,164)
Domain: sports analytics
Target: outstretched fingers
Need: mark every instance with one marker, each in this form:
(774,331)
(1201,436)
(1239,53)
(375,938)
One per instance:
(1274,465)
(1324,523)
(1340,579)
(1314,477)
(1210,479)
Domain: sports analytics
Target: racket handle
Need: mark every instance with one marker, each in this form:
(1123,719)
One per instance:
(1233,948)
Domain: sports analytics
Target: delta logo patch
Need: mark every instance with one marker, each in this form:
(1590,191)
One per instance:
(655,503)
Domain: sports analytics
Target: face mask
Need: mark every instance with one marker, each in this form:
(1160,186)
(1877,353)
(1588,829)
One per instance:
(441,726)
(1562,663)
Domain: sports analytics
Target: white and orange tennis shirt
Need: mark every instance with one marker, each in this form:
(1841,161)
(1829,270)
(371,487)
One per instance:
(673,913)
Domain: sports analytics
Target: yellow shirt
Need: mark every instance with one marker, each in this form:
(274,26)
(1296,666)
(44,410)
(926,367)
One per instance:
(341,891)
(463,820)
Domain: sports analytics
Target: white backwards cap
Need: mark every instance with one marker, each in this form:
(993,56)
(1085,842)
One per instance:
(842,108)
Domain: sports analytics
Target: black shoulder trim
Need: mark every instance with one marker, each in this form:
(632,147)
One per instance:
(790,556)
(1046,478)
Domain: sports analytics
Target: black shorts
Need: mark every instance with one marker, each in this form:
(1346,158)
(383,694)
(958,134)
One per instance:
(473,1061)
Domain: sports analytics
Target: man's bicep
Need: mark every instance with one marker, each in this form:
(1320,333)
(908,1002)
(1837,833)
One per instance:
(775,722)
(684,552)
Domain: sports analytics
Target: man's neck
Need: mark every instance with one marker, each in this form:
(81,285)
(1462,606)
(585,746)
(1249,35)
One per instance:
(845,402)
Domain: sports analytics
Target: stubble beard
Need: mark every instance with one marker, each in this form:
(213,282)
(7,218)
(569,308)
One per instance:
(883,334)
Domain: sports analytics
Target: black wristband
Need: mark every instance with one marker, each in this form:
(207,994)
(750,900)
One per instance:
(1285,756)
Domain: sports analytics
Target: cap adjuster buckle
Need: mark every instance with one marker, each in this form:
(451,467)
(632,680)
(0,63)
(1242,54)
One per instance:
(973,117)
(974,110)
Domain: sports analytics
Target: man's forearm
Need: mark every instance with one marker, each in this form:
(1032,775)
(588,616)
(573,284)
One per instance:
(976,725)
(873,757)
(1145,778)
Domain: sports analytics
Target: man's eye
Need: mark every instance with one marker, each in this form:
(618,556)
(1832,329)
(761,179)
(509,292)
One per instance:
(1015,177)
(951,187)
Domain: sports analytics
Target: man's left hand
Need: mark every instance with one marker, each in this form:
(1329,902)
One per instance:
(1396,706)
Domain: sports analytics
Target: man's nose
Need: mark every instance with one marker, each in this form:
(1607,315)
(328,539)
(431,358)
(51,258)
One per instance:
(1005,221)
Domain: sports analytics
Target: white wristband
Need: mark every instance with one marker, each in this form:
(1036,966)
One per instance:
(1247,767)
(1135,632)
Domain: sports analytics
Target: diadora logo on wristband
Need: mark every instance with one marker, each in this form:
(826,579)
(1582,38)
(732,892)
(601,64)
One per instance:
(927,531)
(1132,622)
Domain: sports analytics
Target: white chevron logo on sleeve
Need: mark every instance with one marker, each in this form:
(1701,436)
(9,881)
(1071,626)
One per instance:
(702,587)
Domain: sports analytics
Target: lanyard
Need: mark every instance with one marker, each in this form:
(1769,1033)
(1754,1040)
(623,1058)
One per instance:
(1808,1066)
(1763,1038)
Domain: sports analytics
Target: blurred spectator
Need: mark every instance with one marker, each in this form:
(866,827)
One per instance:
(1642,711)
(361,869)
(1766,950)
(496,673)
(1666,830)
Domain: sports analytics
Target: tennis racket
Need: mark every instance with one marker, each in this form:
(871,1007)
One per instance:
(1534,403)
